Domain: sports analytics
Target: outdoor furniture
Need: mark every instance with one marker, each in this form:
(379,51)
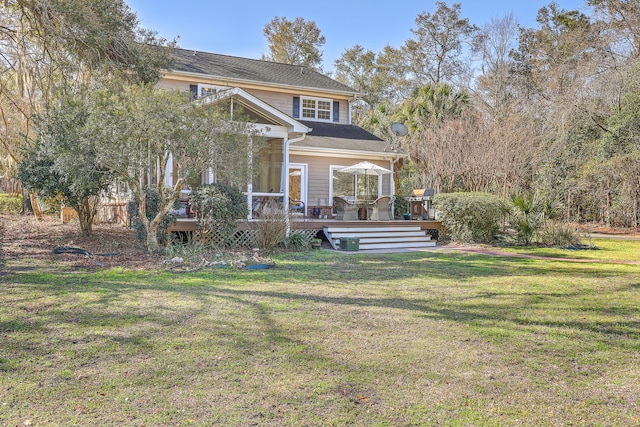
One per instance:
(296,207)
(345,210)
(380,209)
(266,205)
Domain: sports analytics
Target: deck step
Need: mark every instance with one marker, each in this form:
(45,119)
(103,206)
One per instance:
(369,229)
(391,239)
(417,233)
(395,237)
(402,245)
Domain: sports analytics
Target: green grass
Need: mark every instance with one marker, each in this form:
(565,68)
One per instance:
(605,249)
(327,339)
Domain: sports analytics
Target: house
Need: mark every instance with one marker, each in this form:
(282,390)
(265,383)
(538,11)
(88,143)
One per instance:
(306,118)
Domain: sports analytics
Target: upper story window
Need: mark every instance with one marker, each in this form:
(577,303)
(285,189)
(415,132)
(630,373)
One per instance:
(206,90)
(317,108)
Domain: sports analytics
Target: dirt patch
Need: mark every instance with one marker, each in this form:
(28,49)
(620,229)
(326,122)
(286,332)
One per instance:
(27,242)
(601,229)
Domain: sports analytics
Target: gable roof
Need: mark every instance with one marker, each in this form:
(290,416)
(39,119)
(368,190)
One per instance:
(258,106)
(233,68)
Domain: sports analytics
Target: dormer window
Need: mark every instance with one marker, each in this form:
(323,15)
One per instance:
(317,109)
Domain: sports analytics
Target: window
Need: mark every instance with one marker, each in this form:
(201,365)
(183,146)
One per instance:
(316,109)
(206,90)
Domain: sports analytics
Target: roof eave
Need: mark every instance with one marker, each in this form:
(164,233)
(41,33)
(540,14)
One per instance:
(294,126)
(233,82)
(338,151)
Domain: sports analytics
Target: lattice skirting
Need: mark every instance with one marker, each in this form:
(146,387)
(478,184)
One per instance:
(311,234)
(239,239)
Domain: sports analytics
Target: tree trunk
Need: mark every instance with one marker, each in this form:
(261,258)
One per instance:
(86,213)
(34,205)
(152,238)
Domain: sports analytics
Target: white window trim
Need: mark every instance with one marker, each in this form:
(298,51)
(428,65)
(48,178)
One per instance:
(205,86)
(316,100)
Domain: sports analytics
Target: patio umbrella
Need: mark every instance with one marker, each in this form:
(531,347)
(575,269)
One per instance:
(364,168)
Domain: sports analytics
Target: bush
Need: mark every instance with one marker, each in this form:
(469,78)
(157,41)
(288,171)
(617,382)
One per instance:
(272,228)
(10,204)
(217,208)
(153,206)
(560,234)
(469,217)
(297,241)
(528,214)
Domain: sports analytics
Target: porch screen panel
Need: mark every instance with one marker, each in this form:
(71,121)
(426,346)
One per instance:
(269,168)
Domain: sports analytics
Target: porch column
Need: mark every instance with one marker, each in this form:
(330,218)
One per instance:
(250,182)
(285,172)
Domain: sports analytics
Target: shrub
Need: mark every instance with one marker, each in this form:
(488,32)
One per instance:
(153,206)
(558,233)
(528,215)
(297,241)
(10,204)
(217,208)
(272,228)
(469,217)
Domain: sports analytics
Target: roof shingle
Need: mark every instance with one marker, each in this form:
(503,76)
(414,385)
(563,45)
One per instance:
(245,69)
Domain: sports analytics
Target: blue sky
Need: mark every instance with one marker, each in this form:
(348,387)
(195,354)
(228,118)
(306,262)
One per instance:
(235,27)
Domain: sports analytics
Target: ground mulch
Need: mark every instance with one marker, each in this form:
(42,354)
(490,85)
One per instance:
(29,242)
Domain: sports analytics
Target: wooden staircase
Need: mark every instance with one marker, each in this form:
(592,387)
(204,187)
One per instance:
(381,237)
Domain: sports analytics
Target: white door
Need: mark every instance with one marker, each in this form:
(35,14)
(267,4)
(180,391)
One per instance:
(298,184)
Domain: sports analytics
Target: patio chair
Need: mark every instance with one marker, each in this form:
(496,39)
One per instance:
(345,211)
(296,207)
(380,209)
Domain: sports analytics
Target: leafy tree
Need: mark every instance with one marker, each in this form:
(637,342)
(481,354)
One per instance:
(358,69)
(138,129)
(153,204)
(432,104)
(59,165)
(549,57)
(296,42)
(52,49)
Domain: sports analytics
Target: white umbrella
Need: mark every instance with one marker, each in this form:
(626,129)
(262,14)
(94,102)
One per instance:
(364,168)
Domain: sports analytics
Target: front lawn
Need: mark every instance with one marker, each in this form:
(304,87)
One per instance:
(326,339)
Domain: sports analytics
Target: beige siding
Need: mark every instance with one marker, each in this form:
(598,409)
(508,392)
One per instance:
(319,175)
(282,101)
(173,84)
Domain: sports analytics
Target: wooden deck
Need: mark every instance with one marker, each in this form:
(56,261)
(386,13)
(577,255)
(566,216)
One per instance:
(189,224)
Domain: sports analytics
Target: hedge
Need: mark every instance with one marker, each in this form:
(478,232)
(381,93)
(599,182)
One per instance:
(470,217)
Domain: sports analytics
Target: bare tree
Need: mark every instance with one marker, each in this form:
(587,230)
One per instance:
(434,54)
(493,45)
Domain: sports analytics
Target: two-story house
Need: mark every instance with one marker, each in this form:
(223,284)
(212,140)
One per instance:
(305,117)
